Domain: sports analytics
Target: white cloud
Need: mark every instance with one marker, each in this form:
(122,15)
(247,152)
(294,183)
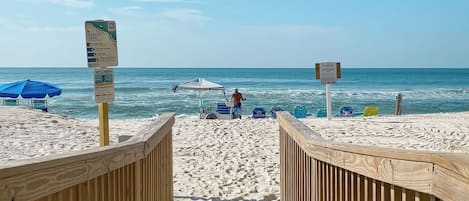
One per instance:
(128,10)
(185,15)
(74,3)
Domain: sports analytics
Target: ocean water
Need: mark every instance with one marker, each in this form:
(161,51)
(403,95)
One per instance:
(146,92)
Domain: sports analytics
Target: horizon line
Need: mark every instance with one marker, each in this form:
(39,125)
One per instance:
(243,67)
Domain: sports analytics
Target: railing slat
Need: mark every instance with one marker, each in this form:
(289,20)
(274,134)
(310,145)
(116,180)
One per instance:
(393,193)
(359,188)
(352,186)
(95,189)
(336,189)
(404,195)
(365,187)
(287,167)
(382,191)
(328,181)
(374,193)
(306,171)
(347,186)
(282,164)
(312,179)
(322,179)
(289,170)
(295,172)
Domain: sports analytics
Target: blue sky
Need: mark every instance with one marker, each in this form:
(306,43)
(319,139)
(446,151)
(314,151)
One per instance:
(241,33)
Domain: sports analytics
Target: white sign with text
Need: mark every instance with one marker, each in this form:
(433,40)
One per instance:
(103,85)
(101,43)
(328,72)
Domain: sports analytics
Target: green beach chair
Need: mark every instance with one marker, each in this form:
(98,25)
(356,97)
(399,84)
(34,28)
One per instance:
(11,102)
(321,113)
(39,104)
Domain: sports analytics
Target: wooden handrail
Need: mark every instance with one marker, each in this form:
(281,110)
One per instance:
(444,175)
(37,177)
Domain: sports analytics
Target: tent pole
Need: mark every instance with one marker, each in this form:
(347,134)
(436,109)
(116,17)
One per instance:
(199,104)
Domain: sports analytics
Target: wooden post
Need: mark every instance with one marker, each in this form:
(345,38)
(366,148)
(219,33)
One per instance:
(398,104)
(103,124)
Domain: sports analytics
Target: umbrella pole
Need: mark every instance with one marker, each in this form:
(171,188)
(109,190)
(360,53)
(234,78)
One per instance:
(198,105)
(103,124)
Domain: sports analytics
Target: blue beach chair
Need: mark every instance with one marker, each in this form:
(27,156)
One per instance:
(222,108)
(258,113)
(346,111)
(300,111)
(274,110)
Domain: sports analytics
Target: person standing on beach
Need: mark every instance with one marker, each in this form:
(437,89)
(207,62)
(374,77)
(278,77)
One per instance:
(237,97)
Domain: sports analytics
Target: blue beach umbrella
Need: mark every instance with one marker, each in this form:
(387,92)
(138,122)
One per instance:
(29,89)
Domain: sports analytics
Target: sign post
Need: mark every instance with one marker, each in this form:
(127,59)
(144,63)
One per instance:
(328,73)
(328,101)
(101,49)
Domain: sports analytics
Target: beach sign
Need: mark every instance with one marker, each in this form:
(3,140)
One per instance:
(328,72)
(103,85)
(101,43)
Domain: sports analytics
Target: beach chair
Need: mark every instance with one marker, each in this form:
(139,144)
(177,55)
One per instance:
(370,111)
(300,111)
(11,102)
(222,108)
(39,104)
(201,103)
(274,110)
(321,113)
(204,108)
(258,113)
(346,111)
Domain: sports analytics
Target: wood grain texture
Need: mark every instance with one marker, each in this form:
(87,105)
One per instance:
(449,185)
(104,173)
(386,174)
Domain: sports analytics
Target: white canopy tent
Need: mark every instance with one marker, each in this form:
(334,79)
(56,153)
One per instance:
(199,84)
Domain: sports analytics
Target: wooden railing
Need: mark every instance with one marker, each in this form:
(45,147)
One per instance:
(315,169)
(139,169)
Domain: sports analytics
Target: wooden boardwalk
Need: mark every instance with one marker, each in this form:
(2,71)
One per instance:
(313,169)
(139,169)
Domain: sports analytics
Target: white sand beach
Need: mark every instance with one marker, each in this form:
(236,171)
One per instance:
(28,133)
(228,159)
(446,132)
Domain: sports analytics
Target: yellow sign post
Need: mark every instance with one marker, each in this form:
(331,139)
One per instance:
(101,49)
(104,92)
(103,124)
